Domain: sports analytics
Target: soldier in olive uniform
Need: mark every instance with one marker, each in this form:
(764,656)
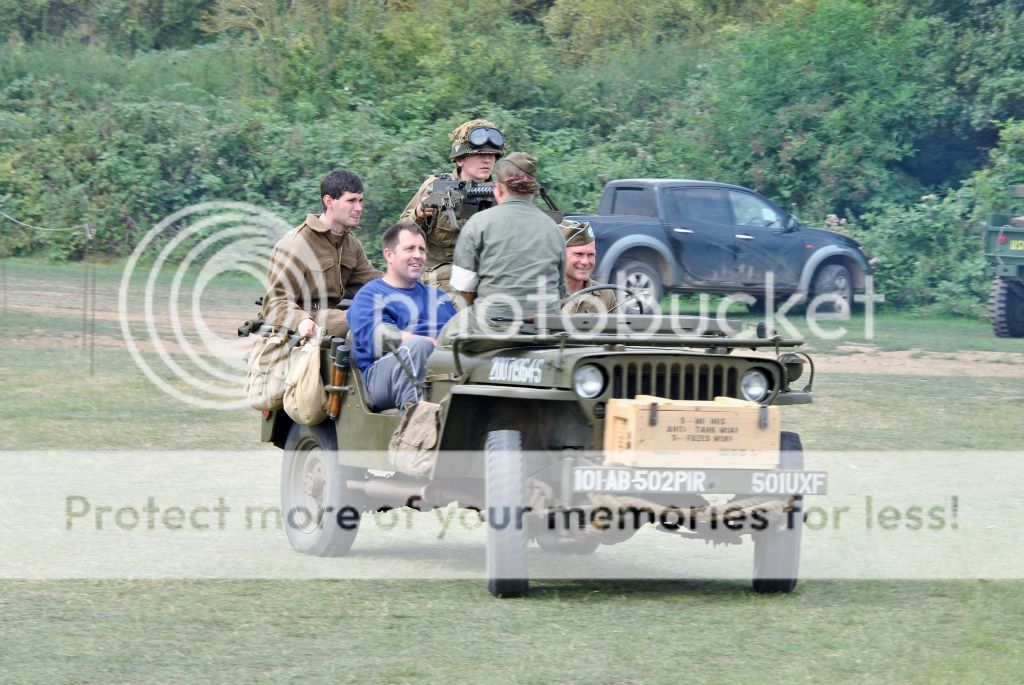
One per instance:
(580,259)
(313,265)
(476,147)
(509,259)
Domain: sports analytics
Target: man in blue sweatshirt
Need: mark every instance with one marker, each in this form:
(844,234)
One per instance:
(395,321)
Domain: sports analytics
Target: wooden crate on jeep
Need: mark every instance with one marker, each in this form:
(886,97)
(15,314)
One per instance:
(659,433)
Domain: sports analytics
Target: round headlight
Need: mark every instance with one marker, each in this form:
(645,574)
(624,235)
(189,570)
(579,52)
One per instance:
(588,381)
(754,385)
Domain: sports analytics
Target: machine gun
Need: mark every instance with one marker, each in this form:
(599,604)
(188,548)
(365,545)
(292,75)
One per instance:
(460,200)
(457,199)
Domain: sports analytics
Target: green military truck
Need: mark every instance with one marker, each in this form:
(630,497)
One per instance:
(1004,250)
(522,436)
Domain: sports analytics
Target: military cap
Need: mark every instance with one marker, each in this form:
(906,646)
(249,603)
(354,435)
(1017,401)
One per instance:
(576,233)
(526,162)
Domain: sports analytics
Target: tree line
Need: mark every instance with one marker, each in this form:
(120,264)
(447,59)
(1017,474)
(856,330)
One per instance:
(897,122)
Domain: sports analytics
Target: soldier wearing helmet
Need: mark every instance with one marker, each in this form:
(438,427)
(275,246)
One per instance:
(476,147)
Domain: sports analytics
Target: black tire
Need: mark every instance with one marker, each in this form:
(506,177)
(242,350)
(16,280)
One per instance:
(642,279)
(578,543)
(507,531)
(777,549)
(758,306)
(321,513)
(834,281)
(1006,308)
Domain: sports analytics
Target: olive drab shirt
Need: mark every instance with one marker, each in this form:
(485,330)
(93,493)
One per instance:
(592,303)
(510,253)
(310,270)
(441,238)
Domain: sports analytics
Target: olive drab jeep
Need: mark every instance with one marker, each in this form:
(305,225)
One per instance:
(573,433)
(1004,250)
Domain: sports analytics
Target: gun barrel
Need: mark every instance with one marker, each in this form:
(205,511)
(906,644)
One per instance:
(481,190)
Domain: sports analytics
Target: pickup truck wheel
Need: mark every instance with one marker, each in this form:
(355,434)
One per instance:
(777,548)
(833,280)
(758,306)
(1006,308)
(321,513)
(642,279)
(507,531)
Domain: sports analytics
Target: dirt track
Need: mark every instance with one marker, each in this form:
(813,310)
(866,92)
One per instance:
(868,359)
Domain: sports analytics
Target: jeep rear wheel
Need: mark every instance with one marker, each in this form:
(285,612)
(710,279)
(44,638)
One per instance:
(777,547)
(642,279)
(835,285)
(507,530)
(321,513)
(1006,308)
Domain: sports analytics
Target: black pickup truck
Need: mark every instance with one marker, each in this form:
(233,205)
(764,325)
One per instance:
(680,235)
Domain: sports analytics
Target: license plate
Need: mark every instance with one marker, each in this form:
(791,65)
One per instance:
(774,482)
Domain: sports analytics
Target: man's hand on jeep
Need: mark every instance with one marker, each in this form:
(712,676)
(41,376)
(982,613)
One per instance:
(306,328)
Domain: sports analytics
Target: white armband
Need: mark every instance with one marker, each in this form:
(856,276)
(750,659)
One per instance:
(464,280)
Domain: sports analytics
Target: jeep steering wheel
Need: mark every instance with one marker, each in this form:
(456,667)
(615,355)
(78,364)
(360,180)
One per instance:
(630,295)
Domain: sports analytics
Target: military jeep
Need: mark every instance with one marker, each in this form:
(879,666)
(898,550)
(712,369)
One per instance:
(1004,250)
(522,439)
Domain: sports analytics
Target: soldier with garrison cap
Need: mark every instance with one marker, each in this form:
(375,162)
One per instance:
(476,147)
(509,259)
(580,260)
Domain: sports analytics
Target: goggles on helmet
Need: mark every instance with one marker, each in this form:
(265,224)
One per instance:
(485,135)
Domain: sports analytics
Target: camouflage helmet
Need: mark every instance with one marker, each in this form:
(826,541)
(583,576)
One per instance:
(477,136)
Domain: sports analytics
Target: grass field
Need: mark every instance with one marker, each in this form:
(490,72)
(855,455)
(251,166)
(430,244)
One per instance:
(452,631)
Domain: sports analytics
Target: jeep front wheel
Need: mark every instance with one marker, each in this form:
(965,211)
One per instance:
(321,513)
(507,530)
(777,547)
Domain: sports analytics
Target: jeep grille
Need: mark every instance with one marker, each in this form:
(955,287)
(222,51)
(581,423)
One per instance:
(675,381)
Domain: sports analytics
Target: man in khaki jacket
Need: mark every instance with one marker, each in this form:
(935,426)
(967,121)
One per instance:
(313,265)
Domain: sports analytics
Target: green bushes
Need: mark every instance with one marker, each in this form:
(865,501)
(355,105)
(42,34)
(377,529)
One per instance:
(121,112)
(123,25)
(930,253)
(819,107)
